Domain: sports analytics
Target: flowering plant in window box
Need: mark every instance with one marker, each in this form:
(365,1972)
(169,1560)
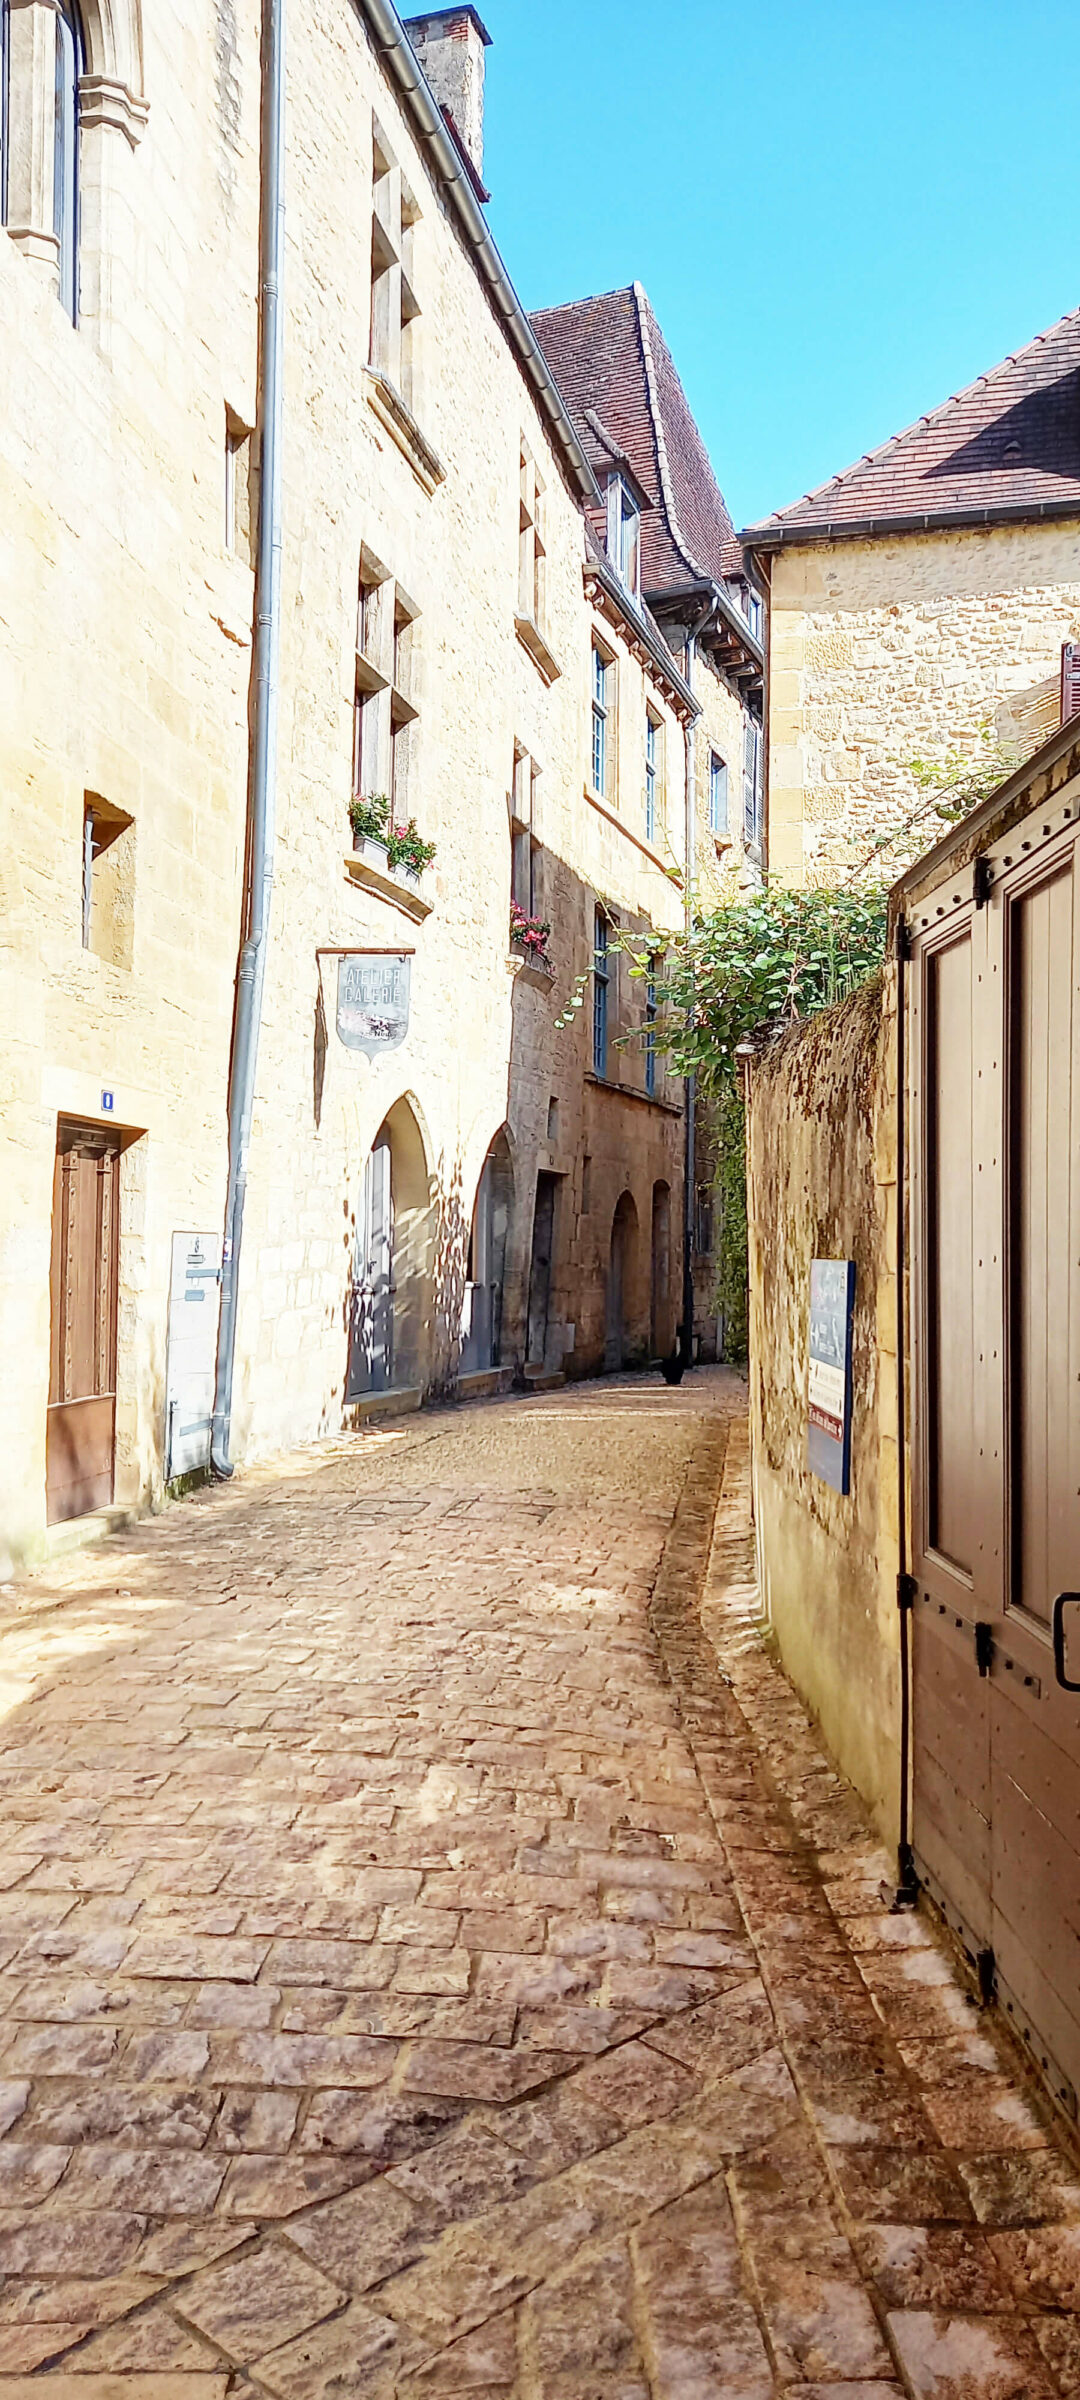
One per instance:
(530,937)
(369,816)
(406,848)
(395,849)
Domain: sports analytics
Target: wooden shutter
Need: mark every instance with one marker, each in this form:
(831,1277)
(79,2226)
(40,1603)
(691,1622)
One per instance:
(1070,681)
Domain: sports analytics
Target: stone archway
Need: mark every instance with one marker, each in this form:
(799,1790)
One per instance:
(481,1330)
(621,1283)
(390,1311)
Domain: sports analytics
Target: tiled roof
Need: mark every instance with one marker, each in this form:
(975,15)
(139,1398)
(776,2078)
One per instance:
(612,364)
(1007,448)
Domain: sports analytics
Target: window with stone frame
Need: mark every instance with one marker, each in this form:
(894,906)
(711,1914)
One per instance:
(42,61)
(525,867)
(531,553)
(602,749)
(654,776)
(385,711)
(603,977)
(394,306)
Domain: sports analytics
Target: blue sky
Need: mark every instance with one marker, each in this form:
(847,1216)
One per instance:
(841,212)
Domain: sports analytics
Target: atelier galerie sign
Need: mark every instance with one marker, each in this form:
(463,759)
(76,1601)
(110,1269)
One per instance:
(828,1380)
(373,1000)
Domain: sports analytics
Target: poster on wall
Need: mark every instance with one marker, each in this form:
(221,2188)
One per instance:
(828,1377)
(373,1000)
(194,1294)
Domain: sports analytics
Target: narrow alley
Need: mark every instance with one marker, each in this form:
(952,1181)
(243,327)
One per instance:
(436,1958)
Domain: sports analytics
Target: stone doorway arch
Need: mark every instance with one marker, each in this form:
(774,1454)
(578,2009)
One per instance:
(621,1283)
(390,1309)
(481,1327)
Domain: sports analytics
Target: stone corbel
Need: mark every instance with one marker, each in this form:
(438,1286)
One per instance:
(103,101)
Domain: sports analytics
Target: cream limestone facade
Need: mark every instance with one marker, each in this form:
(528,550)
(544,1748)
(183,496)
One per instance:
(478,1199)
(903,647)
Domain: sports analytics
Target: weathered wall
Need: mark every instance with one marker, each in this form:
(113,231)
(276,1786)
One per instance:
(883,651)
(822,1184)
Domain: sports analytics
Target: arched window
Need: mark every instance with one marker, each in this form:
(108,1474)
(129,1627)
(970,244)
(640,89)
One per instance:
(69,67)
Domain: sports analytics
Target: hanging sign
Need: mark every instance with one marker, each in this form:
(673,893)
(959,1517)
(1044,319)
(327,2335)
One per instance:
(194,1293)
(828,1381)
(373,1000)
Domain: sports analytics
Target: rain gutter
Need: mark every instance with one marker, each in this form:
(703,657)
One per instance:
(262,800)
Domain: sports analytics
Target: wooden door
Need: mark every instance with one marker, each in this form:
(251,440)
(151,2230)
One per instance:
(996,1424)
(81,1421)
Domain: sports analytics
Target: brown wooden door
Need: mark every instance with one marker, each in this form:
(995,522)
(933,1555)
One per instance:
(80,1435)
(996,1417)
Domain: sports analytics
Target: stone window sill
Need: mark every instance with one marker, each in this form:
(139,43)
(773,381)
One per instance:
(386,887)
(534,972)
(532,640)
(398,421)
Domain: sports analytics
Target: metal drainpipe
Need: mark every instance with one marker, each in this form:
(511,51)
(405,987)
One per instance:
(686,1342)
(251,970)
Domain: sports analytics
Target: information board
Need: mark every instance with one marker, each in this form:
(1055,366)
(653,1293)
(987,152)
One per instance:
(828,1378)
(194,1295)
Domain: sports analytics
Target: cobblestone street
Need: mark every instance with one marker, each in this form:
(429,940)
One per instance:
(435,1959)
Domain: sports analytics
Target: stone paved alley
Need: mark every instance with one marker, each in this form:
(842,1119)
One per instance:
(435,1959)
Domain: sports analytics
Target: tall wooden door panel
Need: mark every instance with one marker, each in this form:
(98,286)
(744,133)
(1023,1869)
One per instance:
(996,1236)
(81,1421)
(951,1782)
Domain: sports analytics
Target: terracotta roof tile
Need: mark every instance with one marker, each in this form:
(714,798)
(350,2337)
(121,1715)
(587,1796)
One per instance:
(610,359)
(1008,447)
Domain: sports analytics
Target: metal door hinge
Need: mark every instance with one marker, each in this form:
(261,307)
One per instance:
(986,1970)
(902,938)
(984,1648)
(907,1591)
(982,882)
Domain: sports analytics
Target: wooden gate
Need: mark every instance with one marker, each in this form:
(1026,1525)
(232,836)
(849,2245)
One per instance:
(81,1420)
(995,1232)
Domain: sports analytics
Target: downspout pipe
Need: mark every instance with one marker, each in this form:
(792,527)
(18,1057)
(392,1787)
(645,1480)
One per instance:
(907,1884)
(686,1329)
(262,797)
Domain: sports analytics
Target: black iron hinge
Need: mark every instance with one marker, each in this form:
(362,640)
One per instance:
(907,1592)
(984,1648)
(982,882)
(902,938)
(986,1970)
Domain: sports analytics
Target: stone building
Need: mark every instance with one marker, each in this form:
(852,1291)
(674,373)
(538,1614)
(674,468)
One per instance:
(927,592)
(464,1156)
(639,434)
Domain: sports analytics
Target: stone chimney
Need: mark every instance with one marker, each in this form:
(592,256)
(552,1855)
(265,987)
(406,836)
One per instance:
(450,45)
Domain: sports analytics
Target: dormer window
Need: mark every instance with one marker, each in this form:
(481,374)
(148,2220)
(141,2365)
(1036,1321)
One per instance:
(624,534)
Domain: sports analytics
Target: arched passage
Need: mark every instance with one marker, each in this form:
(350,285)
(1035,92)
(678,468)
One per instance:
(481,1329)
(391,1273)
(621,1284)
(661,1307)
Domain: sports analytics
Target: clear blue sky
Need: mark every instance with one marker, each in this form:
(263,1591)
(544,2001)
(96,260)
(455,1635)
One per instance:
(841,212)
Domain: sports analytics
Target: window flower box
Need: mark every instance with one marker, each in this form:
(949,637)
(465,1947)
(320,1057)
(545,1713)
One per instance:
(395,850)
(529,943)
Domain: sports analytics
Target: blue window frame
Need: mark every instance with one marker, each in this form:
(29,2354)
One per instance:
(601,985)
(652,775)
(650,1029)
(600,711)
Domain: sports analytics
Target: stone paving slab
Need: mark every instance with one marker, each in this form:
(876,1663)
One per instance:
(437,1959)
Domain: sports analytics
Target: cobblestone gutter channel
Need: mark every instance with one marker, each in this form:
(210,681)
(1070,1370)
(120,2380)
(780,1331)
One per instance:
(436,1959)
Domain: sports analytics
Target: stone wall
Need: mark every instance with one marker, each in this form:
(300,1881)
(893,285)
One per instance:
(822,1184)
(126,626)
(900,648)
